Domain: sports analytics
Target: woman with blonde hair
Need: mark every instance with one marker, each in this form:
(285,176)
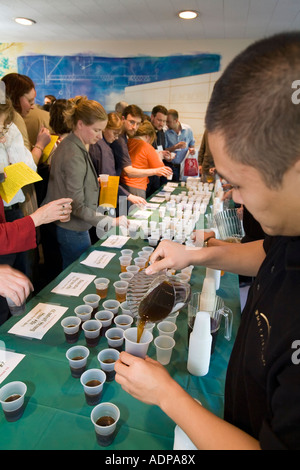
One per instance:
(143,156)
(73,175)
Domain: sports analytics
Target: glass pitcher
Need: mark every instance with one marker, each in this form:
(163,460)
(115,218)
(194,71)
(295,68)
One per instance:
(219,310)
(144,289)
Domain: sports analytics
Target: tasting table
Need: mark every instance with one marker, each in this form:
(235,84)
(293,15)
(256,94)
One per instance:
(56,415)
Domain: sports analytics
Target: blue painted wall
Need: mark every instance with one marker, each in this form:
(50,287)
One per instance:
(97,77)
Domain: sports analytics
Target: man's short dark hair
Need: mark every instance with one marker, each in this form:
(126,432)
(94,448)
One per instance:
(159,109)
(251,106)
(134,110)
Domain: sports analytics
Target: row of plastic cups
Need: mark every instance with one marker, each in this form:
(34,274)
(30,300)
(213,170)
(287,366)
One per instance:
(78,356)
(72,324)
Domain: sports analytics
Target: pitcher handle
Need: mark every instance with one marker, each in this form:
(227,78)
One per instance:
(228,315)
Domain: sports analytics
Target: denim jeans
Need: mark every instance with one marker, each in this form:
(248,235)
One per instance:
(72,244)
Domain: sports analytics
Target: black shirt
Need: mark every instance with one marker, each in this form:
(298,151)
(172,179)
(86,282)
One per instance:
(121,154)
(262,395)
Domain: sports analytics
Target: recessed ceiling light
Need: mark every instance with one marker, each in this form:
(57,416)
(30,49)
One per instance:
(25,21)
(188,14)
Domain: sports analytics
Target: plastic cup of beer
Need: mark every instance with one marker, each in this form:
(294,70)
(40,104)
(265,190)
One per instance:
(101,284)
(92,381)
(123,321)
(77,357)
(104,418)
(124,262)
(107,359)
(121,290)
(12,400)
(71,328)
(106,318)
(111,305)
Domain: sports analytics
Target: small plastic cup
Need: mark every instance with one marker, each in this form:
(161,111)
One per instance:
(71,328)
(132,269)
(77,357)
(111,305)
(127,252)
(12,400)
(107,359)
(124,262)
(115,338)
(166,328)
(104,180)
(84,312)
(92,381)
(16,310)
(140,262)
(101,284)
(105,317)
(92,300)
(91,330)
(172,317)
(121,290)
(164,347)
(148,249)
(125,308)
(126,276)
(104,418)
(132,347)
(123,321)
(153,241)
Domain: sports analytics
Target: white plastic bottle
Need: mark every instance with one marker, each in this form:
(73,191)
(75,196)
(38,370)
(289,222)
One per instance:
(214,274)
(200,345)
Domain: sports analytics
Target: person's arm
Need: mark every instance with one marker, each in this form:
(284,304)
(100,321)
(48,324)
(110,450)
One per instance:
(178,146)
(42,141)
(14,284)
(149,381)
(238,258)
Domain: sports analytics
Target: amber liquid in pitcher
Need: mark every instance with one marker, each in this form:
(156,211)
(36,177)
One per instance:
(157,305)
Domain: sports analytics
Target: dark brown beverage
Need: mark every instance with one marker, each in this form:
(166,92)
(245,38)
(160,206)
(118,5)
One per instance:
(12,398)
(93,383)
(73,337)
(105,441)
(156,306)
(105,421)
(108,361)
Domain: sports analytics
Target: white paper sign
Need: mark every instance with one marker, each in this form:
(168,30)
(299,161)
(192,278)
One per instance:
(143,214)
(150,205)
(98,259)
(115,241)
(157,199)
(38,321)
(74,284)
(8,361)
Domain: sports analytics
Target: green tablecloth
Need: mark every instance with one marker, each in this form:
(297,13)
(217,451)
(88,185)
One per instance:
(56,415)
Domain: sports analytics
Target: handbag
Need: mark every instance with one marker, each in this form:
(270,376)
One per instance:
(190,166)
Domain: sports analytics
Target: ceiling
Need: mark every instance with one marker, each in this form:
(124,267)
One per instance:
(107,20)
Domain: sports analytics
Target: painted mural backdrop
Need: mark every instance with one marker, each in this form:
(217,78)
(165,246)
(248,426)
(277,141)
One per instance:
(100,77)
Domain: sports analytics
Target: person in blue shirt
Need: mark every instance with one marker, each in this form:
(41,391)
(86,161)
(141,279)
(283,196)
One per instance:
(179,139)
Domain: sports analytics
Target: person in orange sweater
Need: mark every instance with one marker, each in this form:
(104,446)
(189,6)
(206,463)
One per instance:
(143,156)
